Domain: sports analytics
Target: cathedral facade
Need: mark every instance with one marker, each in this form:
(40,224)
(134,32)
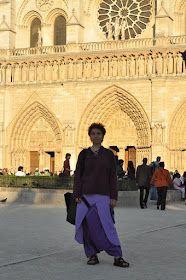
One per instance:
(67,63)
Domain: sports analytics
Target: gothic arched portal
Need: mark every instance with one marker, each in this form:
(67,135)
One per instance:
(177,138)
(121,114)
(35,132)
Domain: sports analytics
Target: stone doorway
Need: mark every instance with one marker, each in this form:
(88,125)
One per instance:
(130,155)
(34,161)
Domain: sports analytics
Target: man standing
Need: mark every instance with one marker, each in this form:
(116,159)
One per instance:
(143,176)
(67,165)
(154,166)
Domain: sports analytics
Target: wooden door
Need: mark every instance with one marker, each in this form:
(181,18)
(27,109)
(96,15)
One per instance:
(34,161)
(130,155)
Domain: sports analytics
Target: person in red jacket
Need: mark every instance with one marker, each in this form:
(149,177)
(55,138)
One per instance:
(163,178)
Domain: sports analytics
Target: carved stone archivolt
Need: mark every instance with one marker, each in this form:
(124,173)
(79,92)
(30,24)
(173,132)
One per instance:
(35,130)
(107,104)
(99,67)
(177,137)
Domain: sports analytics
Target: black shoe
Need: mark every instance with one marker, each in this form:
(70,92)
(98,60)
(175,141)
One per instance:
(142,207)
(158,207)
(3,200)
(145,205)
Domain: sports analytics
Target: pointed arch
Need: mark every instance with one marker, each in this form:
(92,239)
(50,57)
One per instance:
(25,121)
(177,126)
(105,104)
(177,138)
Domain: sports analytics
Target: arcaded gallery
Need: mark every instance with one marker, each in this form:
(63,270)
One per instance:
(67,63)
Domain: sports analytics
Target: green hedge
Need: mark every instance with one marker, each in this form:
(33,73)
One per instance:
(53,182)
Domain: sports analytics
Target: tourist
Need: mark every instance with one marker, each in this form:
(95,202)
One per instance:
(162,177)
(143,177)
(131,170)
(154,166)
(46,172)
(66,165)
(119,168)
(184,183)
(178,185)
(20,172)
(96,180)
(36,173)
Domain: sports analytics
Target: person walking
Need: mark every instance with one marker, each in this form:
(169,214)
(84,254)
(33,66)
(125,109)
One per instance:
(154,166)
(96,181)
(143,177)
(163,178)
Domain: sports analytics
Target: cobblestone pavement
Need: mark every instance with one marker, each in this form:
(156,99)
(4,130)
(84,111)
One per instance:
(37,243)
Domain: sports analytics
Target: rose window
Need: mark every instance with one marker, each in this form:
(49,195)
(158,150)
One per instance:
(124,19)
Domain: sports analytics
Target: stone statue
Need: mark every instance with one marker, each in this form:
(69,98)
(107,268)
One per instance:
(158,133)
(70,69)
(87,69)
(169,63)
(141,65)
(0,73)
(179,63)
(63,70)
(55,71)
(32,72)
(79,69)
(39,40)
(24,72)
(149,65)
(8,73)
(123,27)
(122,67)
(96,68)
(132,66)
(113,67)
(109,30)
(104,67)
(47,71)
(117,29)
(16,73)
(40,71)
(159,64)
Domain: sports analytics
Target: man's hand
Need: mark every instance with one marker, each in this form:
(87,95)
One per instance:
(78,200)
(113,202)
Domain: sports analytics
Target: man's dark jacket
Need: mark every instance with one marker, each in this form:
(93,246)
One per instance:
(143,175)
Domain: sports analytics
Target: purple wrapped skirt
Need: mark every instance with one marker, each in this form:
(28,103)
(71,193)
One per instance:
(95,228)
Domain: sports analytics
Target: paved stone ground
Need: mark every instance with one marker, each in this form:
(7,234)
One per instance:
(37,243)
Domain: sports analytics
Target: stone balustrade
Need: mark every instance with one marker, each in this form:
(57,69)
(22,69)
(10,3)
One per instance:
(97,46)
(124,64)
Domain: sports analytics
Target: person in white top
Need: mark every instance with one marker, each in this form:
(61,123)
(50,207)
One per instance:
(20,172)
(177,184)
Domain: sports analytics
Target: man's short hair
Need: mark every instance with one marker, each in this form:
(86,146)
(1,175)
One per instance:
(98,126)
(162,164)
(68,155)
(158,158)
(20,168)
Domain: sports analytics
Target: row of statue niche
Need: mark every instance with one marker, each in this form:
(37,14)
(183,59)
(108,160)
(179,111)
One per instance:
(116,30)
(99,67)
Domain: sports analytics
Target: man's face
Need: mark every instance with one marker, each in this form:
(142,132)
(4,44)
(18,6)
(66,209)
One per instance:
(68,157)
(96,136)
